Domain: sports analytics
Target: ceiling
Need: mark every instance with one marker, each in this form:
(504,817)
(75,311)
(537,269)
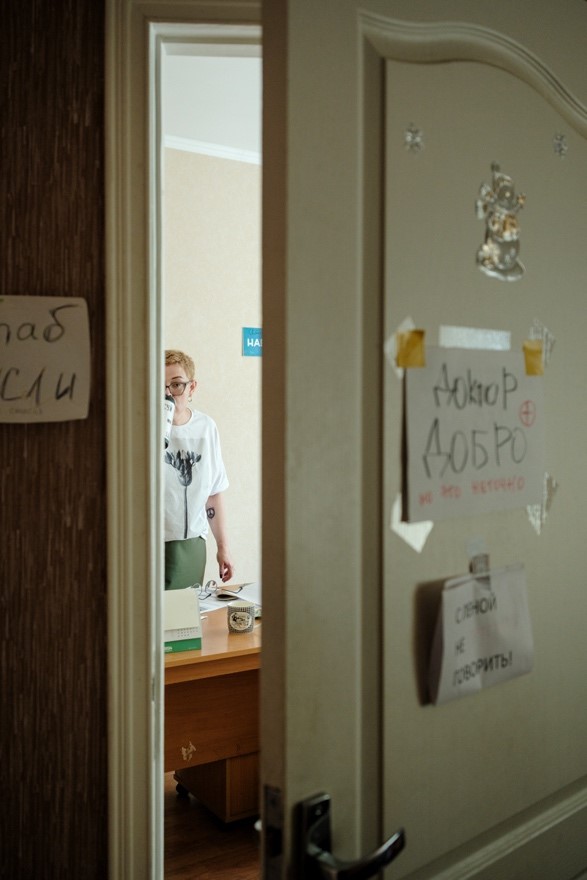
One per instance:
(213,105)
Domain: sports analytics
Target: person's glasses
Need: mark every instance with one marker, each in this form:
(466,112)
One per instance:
(218,591)
(177,388)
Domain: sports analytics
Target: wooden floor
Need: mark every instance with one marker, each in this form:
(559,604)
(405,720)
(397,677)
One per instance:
(200,847)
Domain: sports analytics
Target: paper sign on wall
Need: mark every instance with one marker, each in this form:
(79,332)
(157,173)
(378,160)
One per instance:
(252,341)
(474,434)
(44,359)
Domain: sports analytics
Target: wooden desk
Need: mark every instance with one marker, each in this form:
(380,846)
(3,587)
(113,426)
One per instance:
(212,718)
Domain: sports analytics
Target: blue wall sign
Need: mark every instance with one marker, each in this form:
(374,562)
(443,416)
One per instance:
(252,341)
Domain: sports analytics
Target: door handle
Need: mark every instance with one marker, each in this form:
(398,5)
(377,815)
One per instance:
(312,846)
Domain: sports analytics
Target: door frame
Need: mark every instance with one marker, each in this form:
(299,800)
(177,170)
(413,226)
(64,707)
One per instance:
(135,31)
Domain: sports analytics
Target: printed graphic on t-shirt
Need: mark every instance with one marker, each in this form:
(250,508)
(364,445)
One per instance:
(183,461)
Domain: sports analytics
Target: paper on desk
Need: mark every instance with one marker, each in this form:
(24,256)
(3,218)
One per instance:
(250,593)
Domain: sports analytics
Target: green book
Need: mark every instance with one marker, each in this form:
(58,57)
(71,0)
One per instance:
(182,645)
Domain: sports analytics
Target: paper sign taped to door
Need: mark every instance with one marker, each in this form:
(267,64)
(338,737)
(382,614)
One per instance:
(483,634)
(474,439)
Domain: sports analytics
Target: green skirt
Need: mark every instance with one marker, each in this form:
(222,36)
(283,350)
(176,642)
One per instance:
(185,563)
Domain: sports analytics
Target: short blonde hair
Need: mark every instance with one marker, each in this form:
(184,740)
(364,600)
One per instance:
(173,356)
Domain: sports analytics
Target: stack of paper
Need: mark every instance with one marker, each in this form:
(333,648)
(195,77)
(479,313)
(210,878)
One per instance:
(181,620)
(249,592)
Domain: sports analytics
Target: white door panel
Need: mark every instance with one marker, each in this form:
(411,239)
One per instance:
(455,772)
(355,226)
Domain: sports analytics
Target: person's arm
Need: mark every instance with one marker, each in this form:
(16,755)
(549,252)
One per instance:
(216,518)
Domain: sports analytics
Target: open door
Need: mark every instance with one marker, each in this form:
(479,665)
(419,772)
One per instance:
(379,132)
(483,786)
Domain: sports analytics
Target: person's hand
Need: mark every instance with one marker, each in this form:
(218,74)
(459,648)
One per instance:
(225,565)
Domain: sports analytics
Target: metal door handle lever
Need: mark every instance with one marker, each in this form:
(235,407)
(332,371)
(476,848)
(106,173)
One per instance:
(330,868)
(314,860)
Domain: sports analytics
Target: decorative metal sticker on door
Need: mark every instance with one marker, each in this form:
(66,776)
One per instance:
(499,205)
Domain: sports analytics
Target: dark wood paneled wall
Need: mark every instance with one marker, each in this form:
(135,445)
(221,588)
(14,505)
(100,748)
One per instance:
(53,821)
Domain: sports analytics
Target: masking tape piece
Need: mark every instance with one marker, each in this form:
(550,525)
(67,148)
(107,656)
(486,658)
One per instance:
(533,357)
(473,337)
(410,348)
(414,534)
(390,346)
(476,546)
(537,513)
(389,349)
(539,331)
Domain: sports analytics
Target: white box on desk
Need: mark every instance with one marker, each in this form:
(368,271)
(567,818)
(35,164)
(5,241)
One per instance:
(181,620)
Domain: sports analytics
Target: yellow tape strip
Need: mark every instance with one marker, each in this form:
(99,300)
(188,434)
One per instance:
(410,348)
(533,357)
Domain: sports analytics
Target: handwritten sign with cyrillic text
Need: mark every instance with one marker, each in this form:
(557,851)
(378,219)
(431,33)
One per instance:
(483,634)
(475,434)
(44,358)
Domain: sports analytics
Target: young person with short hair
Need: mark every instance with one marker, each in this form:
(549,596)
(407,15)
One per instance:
(195,478)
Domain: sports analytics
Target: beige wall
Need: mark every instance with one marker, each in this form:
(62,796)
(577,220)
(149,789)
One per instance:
(212,290)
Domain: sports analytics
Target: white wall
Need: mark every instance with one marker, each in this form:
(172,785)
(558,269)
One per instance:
(212,290)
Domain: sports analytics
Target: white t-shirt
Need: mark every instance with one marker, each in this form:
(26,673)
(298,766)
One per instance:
(193,470)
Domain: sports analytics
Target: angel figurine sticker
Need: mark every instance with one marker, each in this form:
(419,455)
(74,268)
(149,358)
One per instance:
(499,205)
